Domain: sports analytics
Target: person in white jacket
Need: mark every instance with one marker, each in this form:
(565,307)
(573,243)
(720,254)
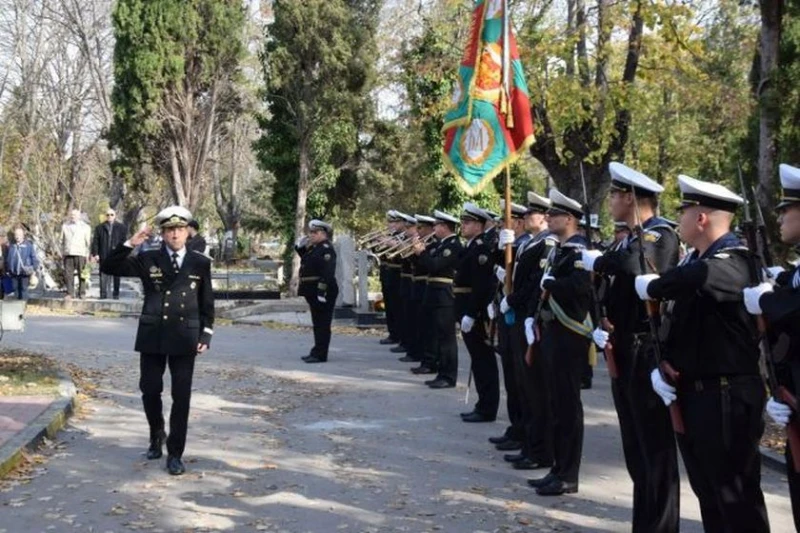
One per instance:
(76,238)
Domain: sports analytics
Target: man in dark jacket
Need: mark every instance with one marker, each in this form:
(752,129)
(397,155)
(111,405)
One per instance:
(175,326)
(107,236)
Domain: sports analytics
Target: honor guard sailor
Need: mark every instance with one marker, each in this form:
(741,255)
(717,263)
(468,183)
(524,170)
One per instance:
(711,343)
(418,318)
(176,324)
(318,284)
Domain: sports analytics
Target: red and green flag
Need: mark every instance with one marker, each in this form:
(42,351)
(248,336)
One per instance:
(489,124)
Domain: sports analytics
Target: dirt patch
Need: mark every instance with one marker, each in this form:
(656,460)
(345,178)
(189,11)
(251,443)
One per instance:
(27,374)
(774,436)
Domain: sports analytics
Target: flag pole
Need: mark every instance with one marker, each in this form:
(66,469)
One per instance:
(505,98)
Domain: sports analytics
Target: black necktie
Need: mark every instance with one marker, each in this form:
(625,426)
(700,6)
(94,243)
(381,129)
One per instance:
(175,261)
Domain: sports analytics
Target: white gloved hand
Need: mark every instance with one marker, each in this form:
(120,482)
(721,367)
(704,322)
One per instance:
(530,333)
(772,272)
(588,258)
(505,236)
(600,337)
(545,277)
(504,307)
(752,295)
(779,412)
(641,283)
(662,388)
(302,242)
(322,299)
(490,311)
(466,324)
(500,273)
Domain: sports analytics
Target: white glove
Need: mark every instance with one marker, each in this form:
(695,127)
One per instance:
(466,324)
(641,283)
(500,272)
(302,242)
(530,333)
(600,337)
(322,299)
(490,311)
(588,258)
(545,278)
(779,412)
(662,388)
(752,295)
(506,236)
(504,307)
(772,272)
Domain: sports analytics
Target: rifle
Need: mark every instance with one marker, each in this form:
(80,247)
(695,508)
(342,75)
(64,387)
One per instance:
(605,323)
(759,248)
(669,373)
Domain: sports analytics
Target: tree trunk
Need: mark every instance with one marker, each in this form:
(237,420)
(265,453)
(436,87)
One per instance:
(768,100)
(300,211)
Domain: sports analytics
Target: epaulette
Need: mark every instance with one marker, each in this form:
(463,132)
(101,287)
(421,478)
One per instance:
(326,245)
(203,254)
(723,253)
(478,242)
(575,245)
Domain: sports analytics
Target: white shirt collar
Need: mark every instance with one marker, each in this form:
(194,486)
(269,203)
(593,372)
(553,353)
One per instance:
(181,254)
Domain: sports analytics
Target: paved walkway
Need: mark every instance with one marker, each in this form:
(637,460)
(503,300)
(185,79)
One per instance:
(16,412)
(357,444)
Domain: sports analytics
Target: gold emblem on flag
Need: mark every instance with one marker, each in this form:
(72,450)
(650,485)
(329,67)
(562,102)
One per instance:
(477,142)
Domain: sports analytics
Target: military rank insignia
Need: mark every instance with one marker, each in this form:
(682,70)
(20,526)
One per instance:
(652,236)
(447,252)
(482,259)
(327,257)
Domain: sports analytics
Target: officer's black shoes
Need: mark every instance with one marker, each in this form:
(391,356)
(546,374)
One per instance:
(175,466)
(543,481)
(398,349)
(530,464)
(477,417)
(407,359)
(499,440)
(441,384)
(430,381)
(156,442)
(468,413)
(423,370)
(556,488)
(586,383)
(388,340)
(314,359)
(509,445)
(513,457)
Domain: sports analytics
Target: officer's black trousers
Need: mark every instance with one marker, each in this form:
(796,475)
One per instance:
(151,383)
(648,441)
(563,356)
(794,487)
(321,318)
(391,291)
(537,440)
(723,426)
(416,317)
(510,380)
(406,307)
(484,369)
(441,348)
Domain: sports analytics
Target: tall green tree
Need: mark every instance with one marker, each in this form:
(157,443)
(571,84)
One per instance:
(175,64)
(318,62)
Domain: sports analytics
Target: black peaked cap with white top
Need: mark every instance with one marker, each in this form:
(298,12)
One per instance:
(561,205)
(626,179)
(537,204)
(471,211)
(790,186)
(695,192)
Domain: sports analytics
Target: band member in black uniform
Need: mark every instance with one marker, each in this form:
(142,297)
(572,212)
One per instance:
(491,228)
(405,307)
(711,342)
(647,438)
(566,330)
(473,291)
(318,285)
(780,306)
(419,279)
(516,236)
(175,326)
(529,263)
(390,279)
(441,349)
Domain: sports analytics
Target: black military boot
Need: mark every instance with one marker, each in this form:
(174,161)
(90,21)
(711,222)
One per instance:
(156,442)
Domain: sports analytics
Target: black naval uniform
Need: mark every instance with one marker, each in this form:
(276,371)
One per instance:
(781,310)
(177,315)
(563,354)
(529,262)
(390,285)
(318,281)
(441,348)
(473,291)
(420,318)
(406,303)
(711,341)
(647,437)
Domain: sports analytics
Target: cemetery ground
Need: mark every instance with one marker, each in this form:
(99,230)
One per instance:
(357,444)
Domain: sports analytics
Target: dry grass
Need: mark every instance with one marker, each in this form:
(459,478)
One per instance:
(27,374)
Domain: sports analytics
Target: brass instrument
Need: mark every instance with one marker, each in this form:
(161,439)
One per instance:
(373,238)
(407,250)
(395,243)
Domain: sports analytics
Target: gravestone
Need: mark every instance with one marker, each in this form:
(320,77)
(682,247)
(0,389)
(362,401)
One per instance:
(345,248)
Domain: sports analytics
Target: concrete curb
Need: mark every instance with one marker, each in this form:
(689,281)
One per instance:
(772,459)
(47,424)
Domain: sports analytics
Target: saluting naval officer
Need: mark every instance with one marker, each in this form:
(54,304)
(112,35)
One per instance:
(176,324)
(566,331)
(711,341)
(780,306)
(647,439)
(318,285)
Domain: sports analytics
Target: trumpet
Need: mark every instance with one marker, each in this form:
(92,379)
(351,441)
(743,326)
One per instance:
(372,235)
(372,239)
(395,243)
(407,249)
